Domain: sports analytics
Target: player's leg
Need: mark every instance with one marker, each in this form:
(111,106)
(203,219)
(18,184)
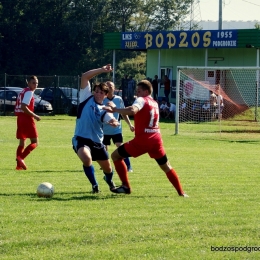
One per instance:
(106,141)
(84,155)
(21,136)
(121,169)
(83,150)
(24,153)
(108,172)
(30,147)
(19,152)
(171,174)
(118,141)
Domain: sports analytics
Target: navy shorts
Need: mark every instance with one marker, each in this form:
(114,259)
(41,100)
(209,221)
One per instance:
(97,150)
(118,138)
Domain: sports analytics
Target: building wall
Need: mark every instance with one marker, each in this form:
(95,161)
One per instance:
(240,57)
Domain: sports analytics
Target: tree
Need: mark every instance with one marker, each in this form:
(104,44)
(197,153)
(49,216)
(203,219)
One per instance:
(257,25)
(169,13)
(120,12)
(66,36)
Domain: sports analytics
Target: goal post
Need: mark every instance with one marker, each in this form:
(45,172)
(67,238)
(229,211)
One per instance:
(213,94)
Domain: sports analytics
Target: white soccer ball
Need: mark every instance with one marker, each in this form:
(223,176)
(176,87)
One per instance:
(45,190)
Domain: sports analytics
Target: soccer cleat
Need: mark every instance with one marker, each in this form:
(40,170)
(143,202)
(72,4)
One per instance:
(130,169)
(21,162)
(95,189)
(184,195)
(18,168)
(111,184)
(121,189)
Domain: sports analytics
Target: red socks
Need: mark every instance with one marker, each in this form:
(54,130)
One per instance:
(174,179)
(121,170)
(19,151)
(24,152)
(28,149)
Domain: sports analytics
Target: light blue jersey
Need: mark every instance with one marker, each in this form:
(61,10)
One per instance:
(109,130)
(90,117)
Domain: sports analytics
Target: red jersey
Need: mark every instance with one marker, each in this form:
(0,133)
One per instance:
(147,118)
(167,84)
(26,97)
(147,132)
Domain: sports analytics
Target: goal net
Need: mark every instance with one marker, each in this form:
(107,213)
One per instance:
(213,95)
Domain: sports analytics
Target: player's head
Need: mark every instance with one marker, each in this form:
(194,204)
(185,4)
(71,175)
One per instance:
(144,88)
(100,91)
(101,86)
(111,87)
(32,82)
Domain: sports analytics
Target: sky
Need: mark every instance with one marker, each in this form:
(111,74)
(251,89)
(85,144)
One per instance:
(236,10)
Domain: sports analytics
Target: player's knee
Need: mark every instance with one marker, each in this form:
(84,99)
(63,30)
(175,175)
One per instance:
(115,156)
(163,160)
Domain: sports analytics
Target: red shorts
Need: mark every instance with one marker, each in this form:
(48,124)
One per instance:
(151,144)
(26,127)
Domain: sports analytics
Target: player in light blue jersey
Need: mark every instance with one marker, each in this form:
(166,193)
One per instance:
(115,133)
(88,135)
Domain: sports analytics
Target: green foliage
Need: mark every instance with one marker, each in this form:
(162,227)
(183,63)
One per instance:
(64,37)
(257,25)
(169,13)
(120,12)
(219,172)
(135,67)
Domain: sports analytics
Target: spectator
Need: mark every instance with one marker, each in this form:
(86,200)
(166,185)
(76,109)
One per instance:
(163,108)
(220,103)
(205,111)
(196,110)
(124,85)
(213,104)
(167,87)
(171,111)
(130,89)
(183,110)
(126,103)
(155,87)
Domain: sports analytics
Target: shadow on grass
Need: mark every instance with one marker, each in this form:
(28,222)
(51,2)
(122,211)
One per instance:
(82,196)
(67,118)
(46,171)
(239,131)
(249,141)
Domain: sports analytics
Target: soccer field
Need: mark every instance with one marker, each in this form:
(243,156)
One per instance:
(219,171)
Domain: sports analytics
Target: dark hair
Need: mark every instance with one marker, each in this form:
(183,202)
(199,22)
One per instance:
(33,77)
(146,85)
(102,86)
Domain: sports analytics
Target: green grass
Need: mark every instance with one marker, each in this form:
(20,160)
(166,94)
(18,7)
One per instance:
(219,171)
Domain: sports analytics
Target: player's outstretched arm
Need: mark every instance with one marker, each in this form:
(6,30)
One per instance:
(113,122)
(111,107)
(92,73)
(127,120)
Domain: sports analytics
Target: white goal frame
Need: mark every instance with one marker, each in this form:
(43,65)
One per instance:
(178,78)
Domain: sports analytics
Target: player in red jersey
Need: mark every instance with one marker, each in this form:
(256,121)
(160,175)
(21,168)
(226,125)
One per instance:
(26,127)
(147,138)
